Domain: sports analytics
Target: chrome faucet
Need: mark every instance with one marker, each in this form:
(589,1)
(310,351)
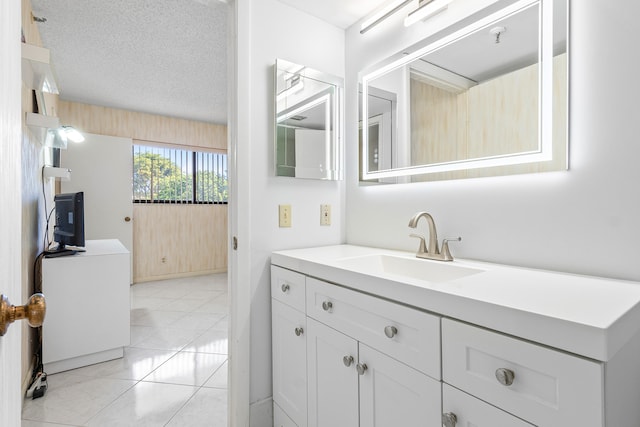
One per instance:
(432,251)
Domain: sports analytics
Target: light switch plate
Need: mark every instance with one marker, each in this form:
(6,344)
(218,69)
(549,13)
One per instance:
(284,214)
(325,214)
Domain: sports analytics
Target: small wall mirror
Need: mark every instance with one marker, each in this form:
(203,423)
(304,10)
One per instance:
(308,122)
(474,103)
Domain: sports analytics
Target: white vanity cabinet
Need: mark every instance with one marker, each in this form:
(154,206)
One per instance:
(289,348)
(489,349)
(367,361)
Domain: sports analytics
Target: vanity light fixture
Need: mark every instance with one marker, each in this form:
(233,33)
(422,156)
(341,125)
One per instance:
(382,14)
(425,10)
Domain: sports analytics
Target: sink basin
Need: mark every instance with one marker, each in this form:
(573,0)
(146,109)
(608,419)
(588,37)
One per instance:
(415,268)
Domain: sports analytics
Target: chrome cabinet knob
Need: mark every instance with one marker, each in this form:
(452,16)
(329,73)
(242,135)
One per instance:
(327,306)
(299,331)
(347,360)
(361,368)
(285,287)
(505,376)
(449,419)
(390,331)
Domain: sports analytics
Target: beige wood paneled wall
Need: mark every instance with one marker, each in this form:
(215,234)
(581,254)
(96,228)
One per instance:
(495,117)
(178,240)
(168,240)
(143,126)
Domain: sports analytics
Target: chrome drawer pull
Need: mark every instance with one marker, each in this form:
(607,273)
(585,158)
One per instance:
(505,376)
(361,368)
(327,306)
(347,360)
(299,331)
(390,331)
(285,287)
(449,419)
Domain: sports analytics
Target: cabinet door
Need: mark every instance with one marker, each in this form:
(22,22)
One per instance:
(333,386)
(280,419)
(393,394)
(472,412)
(289,361)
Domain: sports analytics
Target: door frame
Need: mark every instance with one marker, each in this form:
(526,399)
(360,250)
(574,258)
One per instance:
(239,261)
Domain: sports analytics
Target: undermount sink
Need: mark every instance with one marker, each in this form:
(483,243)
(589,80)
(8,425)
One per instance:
(415,268)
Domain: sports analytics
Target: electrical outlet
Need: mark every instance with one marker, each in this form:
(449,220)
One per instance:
(284,215)
(325,214)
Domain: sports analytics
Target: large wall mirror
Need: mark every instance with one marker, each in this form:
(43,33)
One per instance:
(487,99)
(308,122)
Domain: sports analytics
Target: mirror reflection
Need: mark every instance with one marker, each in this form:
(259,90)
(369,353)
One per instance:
(472,101)
(307,125)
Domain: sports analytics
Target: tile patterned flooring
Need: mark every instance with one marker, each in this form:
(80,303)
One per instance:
(174,373)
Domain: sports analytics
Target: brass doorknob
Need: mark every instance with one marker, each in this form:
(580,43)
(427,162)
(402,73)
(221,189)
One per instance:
(34,311)
(127,218)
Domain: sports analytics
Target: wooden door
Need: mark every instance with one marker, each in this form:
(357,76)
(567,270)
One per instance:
(11,211)
(102,167)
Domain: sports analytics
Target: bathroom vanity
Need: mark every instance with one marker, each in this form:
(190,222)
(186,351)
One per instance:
(371,337)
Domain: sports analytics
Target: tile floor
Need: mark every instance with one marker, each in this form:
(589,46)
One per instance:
(174,373)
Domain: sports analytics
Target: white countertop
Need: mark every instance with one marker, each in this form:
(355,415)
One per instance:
(96,248)
(589,316)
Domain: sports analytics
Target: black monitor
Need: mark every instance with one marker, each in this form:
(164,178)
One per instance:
(69,226)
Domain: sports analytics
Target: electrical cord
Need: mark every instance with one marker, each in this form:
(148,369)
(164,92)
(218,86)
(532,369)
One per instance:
(38,374)
(46,241)
(38,384)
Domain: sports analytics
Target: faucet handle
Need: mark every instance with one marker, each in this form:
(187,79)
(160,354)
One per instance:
(423,247)
(446,254)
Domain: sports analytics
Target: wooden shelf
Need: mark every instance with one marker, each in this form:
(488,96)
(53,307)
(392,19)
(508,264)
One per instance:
(64,174)
(37,71)
(39,124)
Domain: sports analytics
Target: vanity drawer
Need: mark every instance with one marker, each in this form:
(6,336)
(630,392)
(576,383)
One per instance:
(288,287)
(470,411)
(406,334)
(548,388)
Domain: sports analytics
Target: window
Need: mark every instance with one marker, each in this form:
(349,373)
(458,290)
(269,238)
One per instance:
(172,175)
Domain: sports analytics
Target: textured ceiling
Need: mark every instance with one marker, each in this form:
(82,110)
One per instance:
(166,57)
(341,13)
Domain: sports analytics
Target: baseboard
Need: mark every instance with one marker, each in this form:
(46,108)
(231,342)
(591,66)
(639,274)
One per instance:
(84,360)
(178,275)
(261,413)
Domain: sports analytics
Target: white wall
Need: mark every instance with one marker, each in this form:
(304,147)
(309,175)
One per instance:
(583,221)
(276,31)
